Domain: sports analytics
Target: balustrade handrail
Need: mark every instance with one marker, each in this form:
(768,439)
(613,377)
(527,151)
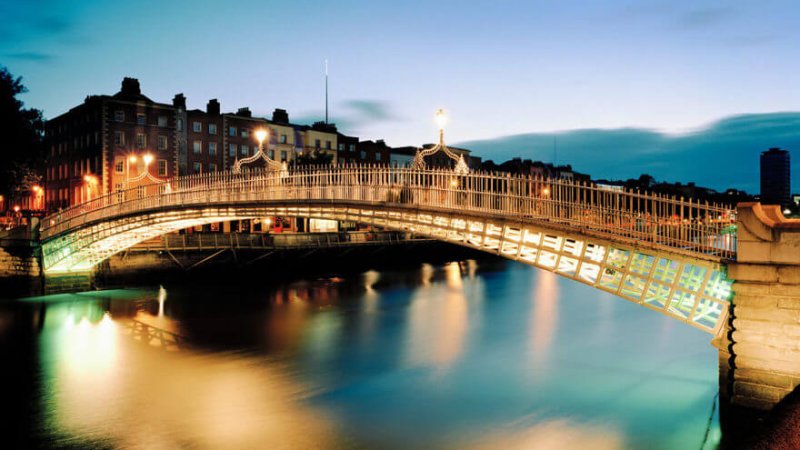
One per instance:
(657,220)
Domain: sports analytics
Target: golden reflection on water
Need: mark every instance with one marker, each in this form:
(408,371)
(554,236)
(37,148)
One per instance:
(437,322)
(558,434)
(544,317)
(111,388)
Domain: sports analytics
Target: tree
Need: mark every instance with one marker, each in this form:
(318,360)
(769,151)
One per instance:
(317,158)
(22,131)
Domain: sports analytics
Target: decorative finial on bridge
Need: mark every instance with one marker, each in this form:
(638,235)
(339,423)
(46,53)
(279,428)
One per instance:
(461,167)
(260,134)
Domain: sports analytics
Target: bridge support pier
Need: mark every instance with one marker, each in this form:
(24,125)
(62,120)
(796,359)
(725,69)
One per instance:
(760,352)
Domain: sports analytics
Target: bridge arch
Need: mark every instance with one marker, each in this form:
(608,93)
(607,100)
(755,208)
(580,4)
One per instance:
(575,230)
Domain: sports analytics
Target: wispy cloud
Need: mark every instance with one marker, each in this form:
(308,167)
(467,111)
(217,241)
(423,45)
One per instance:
(703,18)
(721,155)
(30,56)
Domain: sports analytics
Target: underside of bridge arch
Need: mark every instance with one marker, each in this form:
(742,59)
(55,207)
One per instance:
(692,290)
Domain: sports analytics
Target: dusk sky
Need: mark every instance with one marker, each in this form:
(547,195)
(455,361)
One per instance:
(500,68)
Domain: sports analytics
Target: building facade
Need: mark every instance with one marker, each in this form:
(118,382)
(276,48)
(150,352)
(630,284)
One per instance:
(776,188)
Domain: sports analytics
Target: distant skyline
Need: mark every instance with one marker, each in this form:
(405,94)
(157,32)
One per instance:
(499,69)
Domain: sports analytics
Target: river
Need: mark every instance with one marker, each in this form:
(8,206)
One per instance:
(463,355)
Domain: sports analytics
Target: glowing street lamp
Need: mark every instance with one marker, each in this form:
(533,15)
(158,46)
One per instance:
(441,120)
(147,158)
(91,181)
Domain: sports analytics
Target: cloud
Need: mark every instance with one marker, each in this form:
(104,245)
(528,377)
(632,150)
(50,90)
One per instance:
(371,110)
(703,18)
(31,56)
(721,155)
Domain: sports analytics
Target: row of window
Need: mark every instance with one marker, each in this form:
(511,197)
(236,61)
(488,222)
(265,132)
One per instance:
(198,167)
(120,168)
(141,119)
(141,140)
(79,168)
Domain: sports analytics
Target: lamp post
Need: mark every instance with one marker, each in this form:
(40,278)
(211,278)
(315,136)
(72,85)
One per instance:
(441,120)
(147,158)
(261,134)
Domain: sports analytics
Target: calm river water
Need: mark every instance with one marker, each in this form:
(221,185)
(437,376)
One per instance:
(463,355)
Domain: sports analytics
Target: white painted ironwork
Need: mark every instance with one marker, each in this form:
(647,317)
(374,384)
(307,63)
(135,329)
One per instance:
(664,253)
(461,167)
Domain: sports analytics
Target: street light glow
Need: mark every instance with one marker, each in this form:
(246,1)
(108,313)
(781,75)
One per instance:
(441,118)
(261,134)
(148,158)
(132,158)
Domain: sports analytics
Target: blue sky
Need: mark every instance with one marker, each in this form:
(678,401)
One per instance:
(501,68)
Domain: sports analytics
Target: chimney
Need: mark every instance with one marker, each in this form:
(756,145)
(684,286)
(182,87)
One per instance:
(280,116)
(244,112)
(212,107)
(179,101)
(130,86)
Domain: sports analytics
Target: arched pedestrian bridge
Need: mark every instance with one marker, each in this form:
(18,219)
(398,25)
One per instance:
(664,253)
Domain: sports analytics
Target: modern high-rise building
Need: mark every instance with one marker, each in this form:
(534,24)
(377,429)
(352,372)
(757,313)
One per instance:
(776,188)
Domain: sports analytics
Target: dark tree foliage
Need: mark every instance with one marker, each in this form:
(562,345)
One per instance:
(22,131)
(317,158)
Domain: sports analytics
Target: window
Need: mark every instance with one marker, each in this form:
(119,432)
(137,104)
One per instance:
(283,155)
(283,139)
(245,150)
(119,167)
(141,119)
(162,142)
(212,167)
(119,138)
(141,140)
(245,132)
(197,127)
(179,125)
(352,147)
(232,131)
(377,156)
(316,143)
(212,128)
(162,121)
(272,154)
(162,167)
(212,148)
(328,144)
(197,147)
(363,155)
(119,116)
(197,167)
(232,150)
(341,147)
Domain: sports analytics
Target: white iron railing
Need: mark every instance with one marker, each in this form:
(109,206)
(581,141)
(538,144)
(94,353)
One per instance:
(654,220)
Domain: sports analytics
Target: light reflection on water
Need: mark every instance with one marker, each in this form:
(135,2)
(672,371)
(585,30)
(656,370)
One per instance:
(453,356)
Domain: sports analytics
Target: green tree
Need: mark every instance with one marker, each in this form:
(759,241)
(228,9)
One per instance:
(22,142)
(316,158)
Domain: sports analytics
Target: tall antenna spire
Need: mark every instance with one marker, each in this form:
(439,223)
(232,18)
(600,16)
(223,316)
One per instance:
(326,91)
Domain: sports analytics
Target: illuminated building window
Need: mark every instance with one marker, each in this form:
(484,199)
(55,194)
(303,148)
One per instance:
(197,147)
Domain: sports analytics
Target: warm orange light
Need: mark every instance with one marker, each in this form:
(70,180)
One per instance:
(16,208)
(441,118)
(132,158)
(36,188)
(148,158)
(546,191)
(261,134)
(90,179)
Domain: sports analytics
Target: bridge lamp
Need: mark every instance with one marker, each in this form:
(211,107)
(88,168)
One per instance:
(441,120)
(130,160)
(147,158)
(546,192)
